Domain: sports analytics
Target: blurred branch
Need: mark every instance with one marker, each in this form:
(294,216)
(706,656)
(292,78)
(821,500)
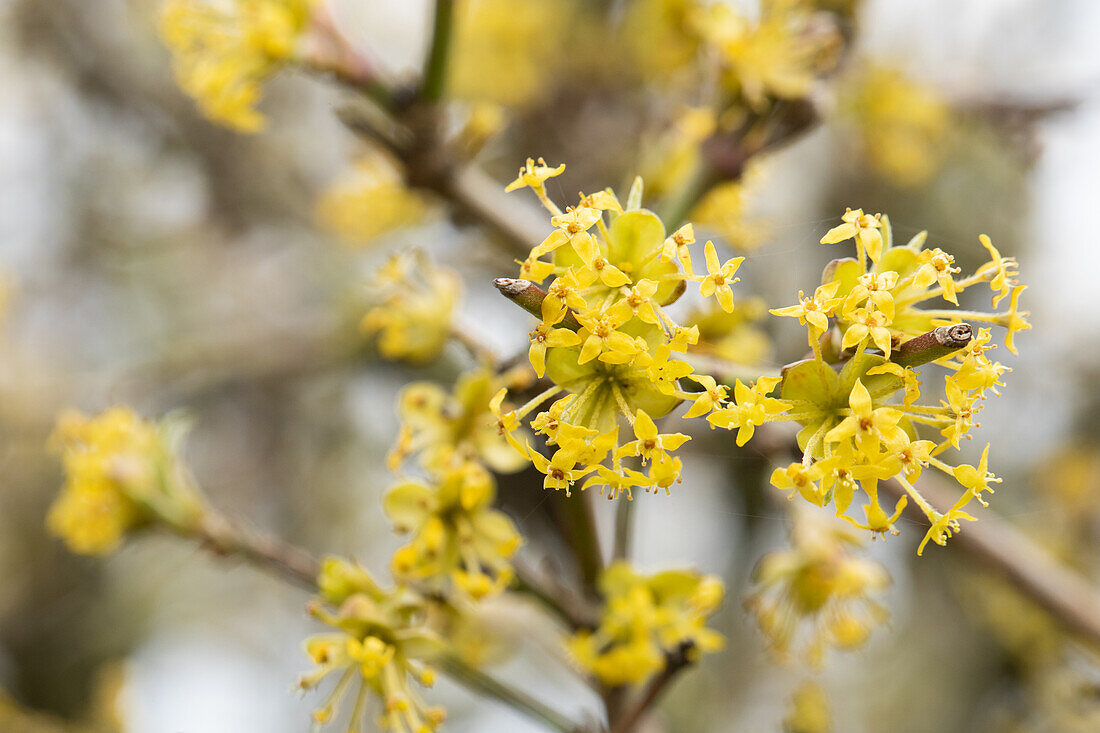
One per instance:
(478,681)
(575,611)
(1067,596)
(228,538)
(675,662)
(297,566)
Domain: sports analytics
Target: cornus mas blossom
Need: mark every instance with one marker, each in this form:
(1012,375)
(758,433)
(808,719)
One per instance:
(817,594)
(380,637)
(224,51)
(646,618)
(121,472)
(866,319)
(606,340)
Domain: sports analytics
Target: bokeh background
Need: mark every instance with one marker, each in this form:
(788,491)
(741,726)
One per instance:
(151,258)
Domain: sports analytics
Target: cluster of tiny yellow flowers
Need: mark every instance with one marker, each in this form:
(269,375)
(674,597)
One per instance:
(605,338)
(645,619)
(456,534)
(378,648)
(866,317)
(776,56)
(901,124)
(413,303)
(121,472)
(224,51)
(775,52)
(816,595)
(369,201)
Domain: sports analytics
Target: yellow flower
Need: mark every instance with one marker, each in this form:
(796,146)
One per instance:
(803,479)
(873,289)
(1015,320)
(719,277)
(544,336)
(640,300)
(902,124)
(644,619)
(864,228)
(603,339)
(778,56)
(814,311)
(752,408)
(867,425)
(936,266)
(649,443)
(121,472)
(534,175)
(677,247)
(223,52)
(561,469)
(596,263)
(870,323)
(712,397)
(414,305)
(380,644)
(1001,271)
(456,534)
(451,429)
(370,201)
(816,594)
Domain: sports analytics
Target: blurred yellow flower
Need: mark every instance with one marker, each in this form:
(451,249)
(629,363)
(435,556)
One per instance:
(456,534)
(414,305)
(370,201)
(120,473)
(902,123)
(223,52)
(645,618)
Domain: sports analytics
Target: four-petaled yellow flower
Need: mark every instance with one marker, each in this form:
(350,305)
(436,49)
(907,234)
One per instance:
(865,228)
(719,277)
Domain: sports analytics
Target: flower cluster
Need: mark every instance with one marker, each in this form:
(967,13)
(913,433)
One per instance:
(605,338)
(775,52)
(223,52)
(121,472)
(369,201)
(456,532)
(866,317)
(414,302)
(817,594)
(777,56)
(900,123)
(378,648)
(645,618)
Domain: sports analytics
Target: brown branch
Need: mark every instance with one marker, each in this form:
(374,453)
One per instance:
(1066,595)
(573,610)
(226,537)
(675,662)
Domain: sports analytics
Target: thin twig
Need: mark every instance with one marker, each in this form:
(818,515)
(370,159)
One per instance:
(573,610)
(297,566)
(1066,595)
(478,681)
(226,537)
(439,51)
(624,529)
(675,662)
